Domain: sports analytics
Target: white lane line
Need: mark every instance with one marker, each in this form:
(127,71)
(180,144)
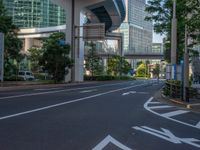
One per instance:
(68,102)
(88,91)
(155,113)
(110,139)
(159,107)
(174,113)
(198,125)
(52,92)
(155,103)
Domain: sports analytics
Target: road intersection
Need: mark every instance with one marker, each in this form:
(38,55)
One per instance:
(107,116)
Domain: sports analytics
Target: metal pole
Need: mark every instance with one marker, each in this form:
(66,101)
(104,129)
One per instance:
(186,69)
(174,36)
(72,42)
(1,57)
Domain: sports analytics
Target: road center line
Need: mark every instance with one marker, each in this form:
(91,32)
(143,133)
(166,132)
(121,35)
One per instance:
(68,102)
(58,91)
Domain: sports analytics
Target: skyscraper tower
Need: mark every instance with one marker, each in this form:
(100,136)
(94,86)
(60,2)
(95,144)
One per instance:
(34,13)
(137,31)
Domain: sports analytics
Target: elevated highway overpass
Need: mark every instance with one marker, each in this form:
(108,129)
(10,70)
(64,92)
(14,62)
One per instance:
(110,12)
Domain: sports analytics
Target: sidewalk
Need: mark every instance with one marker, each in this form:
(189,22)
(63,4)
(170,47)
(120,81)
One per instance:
(193,105)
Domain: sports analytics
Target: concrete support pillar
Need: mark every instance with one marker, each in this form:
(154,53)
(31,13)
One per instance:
(77,45)
(105,64)
(28,43)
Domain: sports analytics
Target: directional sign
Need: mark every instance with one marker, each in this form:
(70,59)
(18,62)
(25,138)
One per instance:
(169,136)
(108,140)
(1,56)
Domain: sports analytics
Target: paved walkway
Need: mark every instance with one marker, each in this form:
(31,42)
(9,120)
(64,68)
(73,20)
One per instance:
(193,105)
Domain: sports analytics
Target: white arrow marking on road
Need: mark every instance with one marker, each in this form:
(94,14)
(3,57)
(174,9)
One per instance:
(168,136)
(131,92)
(88,91)
(108,140)
(198,125)
(174,113)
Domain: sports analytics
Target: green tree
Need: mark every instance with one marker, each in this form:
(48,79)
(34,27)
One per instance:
(94,63)
(35,55)
(156,71)
(13,45)
(118,65)
(141,70)
(55,58)
(188,13)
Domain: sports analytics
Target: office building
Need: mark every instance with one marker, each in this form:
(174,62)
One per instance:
(137,31)
(34,13)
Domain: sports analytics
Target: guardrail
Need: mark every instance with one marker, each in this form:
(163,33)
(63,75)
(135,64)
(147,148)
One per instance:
(176,91)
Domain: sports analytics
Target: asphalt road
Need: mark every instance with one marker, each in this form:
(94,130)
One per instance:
(100,116)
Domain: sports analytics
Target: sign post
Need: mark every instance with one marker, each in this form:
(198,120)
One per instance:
(1,56)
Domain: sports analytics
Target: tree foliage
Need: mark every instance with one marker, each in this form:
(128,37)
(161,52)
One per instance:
(13,45)
(156,70)
(94,63)
(55,58)
(118,65)
(188,13)
(141,70)
(35,55)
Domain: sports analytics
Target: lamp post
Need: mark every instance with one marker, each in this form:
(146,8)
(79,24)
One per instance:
(174,38)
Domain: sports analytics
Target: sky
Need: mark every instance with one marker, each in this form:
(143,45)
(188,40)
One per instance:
(157,38)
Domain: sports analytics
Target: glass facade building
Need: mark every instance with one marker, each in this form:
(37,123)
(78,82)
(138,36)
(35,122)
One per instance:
(137,31)
(35,13)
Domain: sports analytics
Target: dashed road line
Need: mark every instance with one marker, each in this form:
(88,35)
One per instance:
(68,102)
(58,91)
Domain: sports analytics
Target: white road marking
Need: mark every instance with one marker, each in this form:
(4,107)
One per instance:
(108,140)
(198,125)
(149,101)
(174,113)
(159,107)
(88,91)
(133,92)
(155,103)
(52,92)
(68,102)
(127,93)
(168,136)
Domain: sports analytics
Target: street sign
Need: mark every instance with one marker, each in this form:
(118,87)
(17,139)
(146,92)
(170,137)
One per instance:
(94,32)
(1,56)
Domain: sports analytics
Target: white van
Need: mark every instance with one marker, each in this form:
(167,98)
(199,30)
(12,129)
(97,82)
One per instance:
(26,75)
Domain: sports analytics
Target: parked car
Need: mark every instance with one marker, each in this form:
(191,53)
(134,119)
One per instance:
(26,75)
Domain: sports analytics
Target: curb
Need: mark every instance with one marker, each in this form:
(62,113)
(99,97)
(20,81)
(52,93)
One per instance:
(188,106)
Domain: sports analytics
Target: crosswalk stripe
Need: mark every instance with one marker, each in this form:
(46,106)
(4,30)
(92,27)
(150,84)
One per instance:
(174,113)
(158,107)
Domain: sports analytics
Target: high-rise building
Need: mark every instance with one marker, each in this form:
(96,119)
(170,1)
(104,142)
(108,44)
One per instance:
(137,31)
(35,13)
